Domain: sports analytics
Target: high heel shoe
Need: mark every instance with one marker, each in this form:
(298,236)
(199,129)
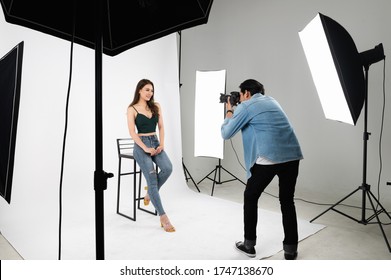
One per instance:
(146,197)
(167,226)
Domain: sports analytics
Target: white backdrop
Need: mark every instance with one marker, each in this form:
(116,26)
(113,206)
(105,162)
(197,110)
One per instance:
(30,222)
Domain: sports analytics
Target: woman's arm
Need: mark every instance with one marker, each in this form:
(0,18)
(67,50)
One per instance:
(161,130)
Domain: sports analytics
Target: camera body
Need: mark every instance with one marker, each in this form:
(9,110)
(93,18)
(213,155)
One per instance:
(234,98)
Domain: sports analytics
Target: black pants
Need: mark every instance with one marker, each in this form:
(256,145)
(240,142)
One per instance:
(261,176)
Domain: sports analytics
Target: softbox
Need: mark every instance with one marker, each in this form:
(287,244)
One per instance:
(336,68)
(10,78)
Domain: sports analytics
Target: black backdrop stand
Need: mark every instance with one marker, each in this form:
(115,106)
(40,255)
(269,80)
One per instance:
(365,188)
(217,171)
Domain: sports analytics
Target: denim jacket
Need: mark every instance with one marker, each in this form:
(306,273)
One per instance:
(266,131)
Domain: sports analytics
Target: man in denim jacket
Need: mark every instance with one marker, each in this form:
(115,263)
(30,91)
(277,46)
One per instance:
(270,148)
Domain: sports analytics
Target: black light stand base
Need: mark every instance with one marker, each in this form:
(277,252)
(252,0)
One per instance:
(188,175)
(366,193)
(216,171)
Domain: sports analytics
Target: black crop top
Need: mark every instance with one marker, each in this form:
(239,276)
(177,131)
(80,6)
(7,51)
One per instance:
(145,124)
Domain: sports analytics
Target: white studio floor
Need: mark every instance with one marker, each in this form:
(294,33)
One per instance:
(206,228)
(209,231)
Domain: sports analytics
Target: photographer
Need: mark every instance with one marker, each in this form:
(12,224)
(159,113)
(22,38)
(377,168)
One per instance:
(270,148)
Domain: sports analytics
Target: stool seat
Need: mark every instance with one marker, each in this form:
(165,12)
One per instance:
(125,148)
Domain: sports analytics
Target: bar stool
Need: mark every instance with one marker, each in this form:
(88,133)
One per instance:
(125,151)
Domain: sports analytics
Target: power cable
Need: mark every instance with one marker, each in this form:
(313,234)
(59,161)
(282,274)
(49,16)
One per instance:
(381,132)
(64,142)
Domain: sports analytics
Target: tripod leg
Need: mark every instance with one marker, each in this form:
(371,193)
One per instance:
(233,176)
(214,181)
(214,170)
(217,172)
(331,207)
(370,196)
(187,173)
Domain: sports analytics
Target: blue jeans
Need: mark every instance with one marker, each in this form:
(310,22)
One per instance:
(154,180)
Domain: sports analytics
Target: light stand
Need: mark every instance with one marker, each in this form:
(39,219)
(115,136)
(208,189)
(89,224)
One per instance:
(368,58)
(217,173)
(100,176)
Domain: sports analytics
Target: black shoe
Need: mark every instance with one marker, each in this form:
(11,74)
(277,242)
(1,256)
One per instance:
(290,251)
(290,255)
(249,251)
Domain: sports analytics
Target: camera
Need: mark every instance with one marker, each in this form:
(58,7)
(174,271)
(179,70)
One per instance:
(234,98)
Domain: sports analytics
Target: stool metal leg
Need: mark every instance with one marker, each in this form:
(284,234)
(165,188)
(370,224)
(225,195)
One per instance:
(136,195)
(134,190)
(139,185)
(119,185)
(119,192)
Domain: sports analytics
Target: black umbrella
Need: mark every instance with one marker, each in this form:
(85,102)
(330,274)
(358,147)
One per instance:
(125,23)
(109,27)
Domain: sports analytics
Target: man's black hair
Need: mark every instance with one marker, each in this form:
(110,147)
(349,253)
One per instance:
(253,86)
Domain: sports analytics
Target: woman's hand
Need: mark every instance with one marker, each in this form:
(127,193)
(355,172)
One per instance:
(151,151)
(159,149)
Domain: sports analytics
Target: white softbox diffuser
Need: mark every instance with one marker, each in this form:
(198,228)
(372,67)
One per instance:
(209,114)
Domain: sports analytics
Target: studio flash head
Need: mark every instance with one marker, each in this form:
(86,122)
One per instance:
(234,98)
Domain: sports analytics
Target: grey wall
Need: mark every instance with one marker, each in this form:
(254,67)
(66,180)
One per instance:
(259,39)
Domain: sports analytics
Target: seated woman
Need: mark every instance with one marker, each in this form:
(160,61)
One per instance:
(145,114)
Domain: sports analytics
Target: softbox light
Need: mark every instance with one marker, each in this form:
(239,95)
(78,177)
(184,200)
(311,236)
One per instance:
(209,114)
(340,75)
(10,77)
(336,68)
